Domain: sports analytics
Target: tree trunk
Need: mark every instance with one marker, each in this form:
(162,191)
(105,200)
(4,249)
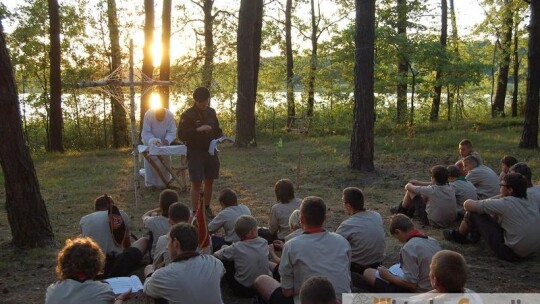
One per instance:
(165,67)
(209,48)
(435,106)
(148,62)
(119,123)
(26,210)
(504,68)
(291,111)
(529,135)
(257,42)
(362,138)
(312,62)
(56,121)
(401,90)
(516,67)
(246,50)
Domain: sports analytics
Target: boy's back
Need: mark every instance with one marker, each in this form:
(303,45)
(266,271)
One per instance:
(250,259)
(441,203)
(226,218)
(415,258)
(279,217)
(464,190)
(325,253)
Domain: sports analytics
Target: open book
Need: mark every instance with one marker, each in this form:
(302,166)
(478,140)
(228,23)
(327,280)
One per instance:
(123,284)
(213,144)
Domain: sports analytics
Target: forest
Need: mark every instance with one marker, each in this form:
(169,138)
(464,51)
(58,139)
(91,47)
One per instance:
(427,66)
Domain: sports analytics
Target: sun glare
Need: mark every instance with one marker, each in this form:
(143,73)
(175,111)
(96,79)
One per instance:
(156,48)
(155,101)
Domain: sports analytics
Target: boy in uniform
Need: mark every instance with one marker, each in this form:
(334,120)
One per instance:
(190,277)
(226,218)
(246,259)
(463,188)
(364,230)
(197,128)
(482,177)
(434,202)
(414,257)
(316,252)
(157,220)
(504,222)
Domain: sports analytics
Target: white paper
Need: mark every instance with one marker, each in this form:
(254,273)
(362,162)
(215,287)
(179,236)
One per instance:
(213,144)
(123,284)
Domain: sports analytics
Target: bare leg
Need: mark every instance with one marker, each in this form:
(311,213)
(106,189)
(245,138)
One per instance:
(208,183)
(195,192)
(265,285)
(141,244)
(464,228)
(407,200)
(369,276)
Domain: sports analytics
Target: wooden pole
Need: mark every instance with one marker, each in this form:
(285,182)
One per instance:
(135,153)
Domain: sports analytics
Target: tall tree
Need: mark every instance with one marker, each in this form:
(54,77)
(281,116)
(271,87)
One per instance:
(434,116)
(209,48)
(529,135)
(55,79)
(504,67)
(247,68)
(26,210)
(362,138)
(148,61)
(515,60)
(119,123)
(402,67)
(313,62)
(165,66)
(291,109)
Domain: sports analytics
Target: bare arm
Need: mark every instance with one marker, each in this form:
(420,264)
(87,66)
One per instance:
(388,276)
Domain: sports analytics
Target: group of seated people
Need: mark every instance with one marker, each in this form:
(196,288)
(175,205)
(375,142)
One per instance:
(315,265)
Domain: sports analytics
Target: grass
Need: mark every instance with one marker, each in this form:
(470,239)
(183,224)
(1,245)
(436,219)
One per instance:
(70,181)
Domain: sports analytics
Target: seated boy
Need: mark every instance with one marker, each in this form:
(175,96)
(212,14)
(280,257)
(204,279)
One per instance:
(226,218)
(505,222)
(316,252)
(434,202)
(482,177)
(178,213)
(462,187)
(506,162)
(415,258)
(294,225)
(280,212)
(190,277)
(364,230)
(533,191)
(157,220)
(448,274)
(246,259)
(317,290)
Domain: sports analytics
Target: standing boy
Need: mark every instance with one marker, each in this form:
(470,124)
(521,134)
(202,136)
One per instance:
(198,127)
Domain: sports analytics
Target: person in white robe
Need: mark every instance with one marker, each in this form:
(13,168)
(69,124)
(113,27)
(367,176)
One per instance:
(159,128)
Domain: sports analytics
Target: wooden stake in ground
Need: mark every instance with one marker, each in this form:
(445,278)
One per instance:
(301,126)
(110,85)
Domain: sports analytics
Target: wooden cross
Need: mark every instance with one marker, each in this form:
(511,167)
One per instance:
(131,83)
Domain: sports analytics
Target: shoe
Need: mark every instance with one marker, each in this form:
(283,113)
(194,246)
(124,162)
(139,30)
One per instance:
(474,237)
(453,235)
(394,210)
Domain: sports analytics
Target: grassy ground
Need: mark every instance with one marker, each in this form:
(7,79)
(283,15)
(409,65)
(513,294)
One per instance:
(70,181)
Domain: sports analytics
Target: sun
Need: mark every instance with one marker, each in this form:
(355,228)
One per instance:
(155,101)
